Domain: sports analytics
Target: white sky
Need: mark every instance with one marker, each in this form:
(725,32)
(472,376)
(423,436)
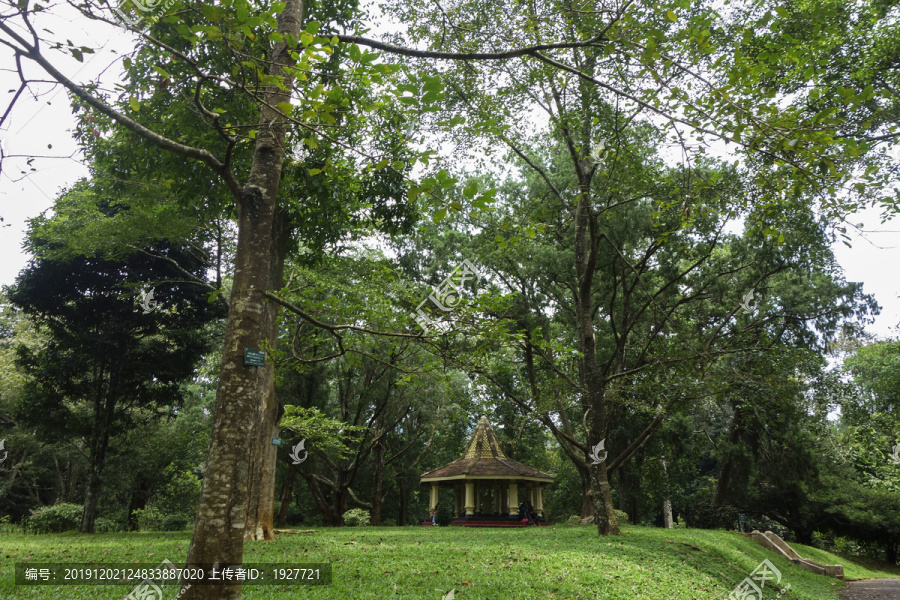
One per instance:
(36,122)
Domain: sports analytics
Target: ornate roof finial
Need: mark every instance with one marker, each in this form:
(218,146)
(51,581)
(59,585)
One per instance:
(484,442)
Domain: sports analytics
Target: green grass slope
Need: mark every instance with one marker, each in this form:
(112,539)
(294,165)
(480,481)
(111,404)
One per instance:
(375,563)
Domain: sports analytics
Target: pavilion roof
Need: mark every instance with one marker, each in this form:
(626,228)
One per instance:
(483,457)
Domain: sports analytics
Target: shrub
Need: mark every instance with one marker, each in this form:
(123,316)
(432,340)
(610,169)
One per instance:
(356,517)
(573,520)
(149,519)
(389,522)
(621,516)
(174,523)
(102,525)
(294,516)
(179,495)
(702,515)
(444,516)
(55,519)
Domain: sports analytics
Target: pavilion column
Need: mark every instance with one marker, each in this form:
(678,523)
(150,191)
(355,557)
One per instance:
(538,501)
(470,499)
(496,503)
(504,499)
(435,496)
(477,497)
(513,498)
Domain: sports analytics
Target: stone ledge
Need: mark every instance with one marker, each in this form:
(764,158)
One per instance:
(777,545)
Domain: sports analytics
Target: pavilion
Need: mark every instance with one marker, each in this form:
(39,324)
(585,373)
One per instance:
(486,484)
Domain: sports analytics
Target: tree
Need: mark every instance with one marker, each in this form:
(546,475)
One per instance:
(105,352)
(269,77)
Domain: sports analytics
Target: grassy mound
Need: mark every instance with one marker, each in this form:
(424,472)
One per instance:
(387,563)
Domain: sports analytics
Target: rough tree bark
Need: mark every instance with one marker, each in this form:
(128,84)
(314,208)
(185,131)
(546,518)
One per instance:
(667,503)
(287,494)
(262,453)
(403,509)
(377,499)
(724,479)
(140,495)
(104,409)
(593,398)
(221,517)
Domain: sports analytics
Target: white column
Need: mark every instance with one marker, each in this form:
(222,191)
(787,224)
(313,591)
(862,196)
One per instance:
(538,502)
(513,499)
(470,498)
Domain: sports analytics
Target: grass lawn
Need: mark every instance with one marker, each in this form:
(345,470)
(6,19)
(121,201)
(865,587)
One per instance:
(386,563)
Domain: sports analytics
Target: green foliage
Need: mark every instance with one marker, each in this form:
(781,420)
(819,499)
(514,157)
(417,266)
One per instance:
(178,495)
(701,514)
(55,519)
(876,370)
(294,515)
(444,515)
(103,525)
(320,432)
(174,523)
(357,517)
(621,516)
(149,519)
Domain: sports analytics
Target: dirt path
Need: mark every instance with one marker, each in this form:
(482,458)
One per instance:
(874,589)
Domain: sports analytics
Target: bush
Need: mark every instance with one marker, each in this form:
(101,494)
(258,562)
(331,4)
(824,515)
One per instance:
(389,522)
(621,516)
(179,495)
(55,519)
(356,517)
(573,520)
(102,525)
(149,519)
(702,515)
(174,523)
(444,515)
(294,516)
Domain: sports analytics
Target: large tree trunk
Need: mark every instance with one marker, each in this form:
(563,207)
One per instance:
(587,504)
(380,451)
(403,509)
(667,503)
(68,475)
(727,465)
(140,495)
(331,510)
(287,495)
(593,399)
(104,408)
(224,501)
(263,454)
